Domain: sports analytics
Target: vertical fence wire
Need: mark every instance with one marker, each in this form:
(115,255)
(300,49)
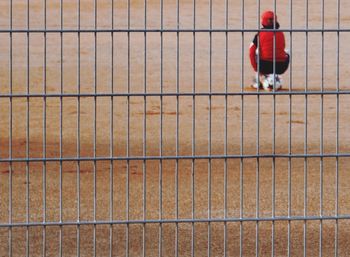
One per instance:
(78,127)
(241,214)
(209,123)
(257,169)
(305,126)
(336,237)
(274,135)
(177,127)
(273,211)
(226,128)
(144,167)
(193,143)
(111,137)
(95,129)
(321,131)
(61,130)
(160,181)
(128,137)
(28,131)
(290,112)
(44,127)
(10,182)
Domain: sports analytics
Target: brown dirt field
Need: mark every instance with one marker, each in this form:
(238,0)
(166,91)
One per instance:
(170,189)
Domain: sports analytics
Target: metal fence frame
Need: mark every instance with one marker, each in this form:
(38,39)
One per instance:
(161,157)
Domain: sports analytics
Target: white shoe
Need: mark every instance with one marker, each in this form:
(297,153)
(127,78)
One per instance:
(271,80)
(256,84)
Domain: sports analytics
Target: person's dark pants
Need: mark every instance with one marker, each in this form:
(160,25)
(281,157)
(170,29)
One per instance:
(266,67)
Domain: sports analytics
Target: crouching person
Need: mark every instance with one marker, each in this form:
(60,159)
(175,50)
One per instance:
(267,49)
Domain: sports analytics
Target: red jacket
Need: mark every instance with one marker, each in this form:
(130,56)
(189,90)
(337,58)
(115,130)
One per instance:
(266,43)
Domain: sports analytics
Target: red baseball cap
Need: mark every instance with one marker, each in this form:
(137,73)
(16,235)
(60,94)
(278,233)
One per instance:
(268,18)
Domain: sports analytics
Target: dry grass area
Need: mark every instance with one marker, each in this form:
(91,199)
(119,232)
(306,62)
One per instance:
(135,126)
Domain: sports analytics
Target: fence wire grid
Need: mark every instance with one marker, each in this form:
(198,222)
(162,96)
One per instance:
(129,128)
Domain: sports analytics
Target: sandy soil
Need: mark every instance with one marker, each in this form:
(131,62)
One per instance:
(167,126)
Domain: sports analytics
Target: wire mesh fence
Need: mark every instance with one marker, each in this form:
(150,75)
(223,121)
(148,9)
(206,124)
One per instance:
(129,128)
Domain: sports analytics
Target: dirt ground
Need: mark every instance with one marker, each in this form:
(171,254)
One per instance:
(162,127)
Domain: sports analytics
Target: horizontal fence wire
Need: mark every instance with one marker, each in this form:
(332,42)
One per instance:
(163,94)
(176,221)
(44,31)
(178,157)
